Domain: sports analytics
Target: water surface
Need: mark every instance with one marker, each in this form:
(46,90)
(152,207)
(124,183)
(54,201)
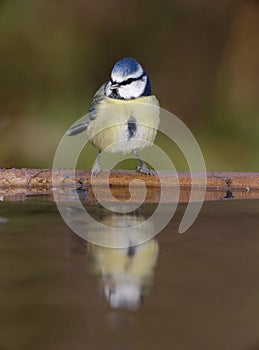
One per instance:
(197,290)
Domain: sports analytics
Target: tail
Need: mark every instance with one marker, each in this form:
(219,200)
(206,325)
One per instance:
(77,129)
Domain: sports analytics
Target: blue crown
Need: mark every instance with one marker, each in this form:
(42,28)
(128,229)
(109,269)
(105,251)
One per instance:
(126,66)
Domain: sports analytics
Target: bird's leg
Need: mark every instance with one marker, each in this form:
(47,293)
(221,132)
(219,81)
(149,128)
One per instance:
(97,167)
(143,168)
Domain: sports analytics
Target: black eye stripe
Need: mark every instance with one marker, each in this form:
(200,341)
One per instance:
(129,81)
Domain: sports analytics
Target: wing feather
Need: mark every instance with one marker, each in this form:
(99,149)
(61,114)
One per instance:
(77,129)
(98,97)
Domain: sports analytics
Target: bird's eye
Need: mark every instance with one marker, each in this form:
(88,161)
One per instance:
(130,80)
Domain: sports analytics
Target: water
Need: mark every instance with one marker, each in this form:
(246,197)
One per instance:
(197,290)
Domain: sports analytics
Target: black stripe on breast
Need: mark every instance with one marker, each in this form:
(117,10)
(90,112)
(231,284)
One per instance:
(132,127)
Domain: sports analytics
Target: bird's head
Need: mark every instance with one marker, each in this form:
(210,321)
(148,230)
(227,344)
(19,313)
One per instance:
(128,80)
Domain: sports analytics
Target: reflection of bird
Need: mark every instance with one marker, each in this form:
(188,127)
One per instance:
(126,273)
(123,115)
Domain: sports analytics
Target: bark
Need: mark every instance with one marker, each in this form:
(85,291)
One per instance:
(21,184)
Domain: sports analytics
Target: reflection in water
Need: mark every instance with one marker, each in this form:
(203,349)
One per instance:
(126,273)
(119,230)
(208,283)
(110,228)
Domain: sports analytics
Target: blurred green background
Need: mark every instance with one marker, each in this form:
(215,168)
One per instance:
(202,57)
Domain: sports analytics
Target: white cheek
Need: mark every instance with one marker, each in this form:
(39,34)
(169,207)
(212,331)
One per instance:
(133,90)
(107,88)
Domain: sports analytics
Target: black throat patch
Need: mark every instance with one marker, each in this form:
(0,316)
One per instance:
(132,127)
(115,94)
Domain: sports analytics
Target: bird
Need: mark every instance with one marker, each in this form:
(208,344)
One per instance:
(123,115)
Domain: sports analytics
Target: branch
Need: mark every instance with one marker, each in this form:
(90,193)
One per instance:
(18,184)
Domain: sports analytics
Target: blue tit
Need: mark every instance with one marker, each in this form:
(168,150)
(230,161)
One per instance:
(124,115)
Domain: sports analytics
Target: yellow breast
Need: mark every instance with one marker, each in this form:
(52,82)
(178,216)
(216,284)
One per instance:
(122,126)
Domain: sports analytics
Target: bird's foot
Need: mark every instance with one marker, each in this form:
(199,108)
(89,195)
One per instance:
(96,169)
(144,170)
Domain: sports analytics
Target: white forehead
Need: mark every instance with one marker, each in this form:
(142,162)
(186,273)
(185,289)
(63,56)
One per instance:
(124,74)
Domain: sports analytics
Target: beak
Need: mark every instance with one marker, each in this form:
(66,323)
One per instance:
(114,86)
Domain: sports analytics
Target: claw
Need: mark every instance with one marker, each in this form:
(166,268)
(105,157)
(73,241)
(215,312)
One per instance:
(144,170)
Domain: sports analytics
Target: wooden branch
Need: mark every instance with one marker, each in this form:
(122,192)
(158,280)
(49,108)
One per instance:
(19,184)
